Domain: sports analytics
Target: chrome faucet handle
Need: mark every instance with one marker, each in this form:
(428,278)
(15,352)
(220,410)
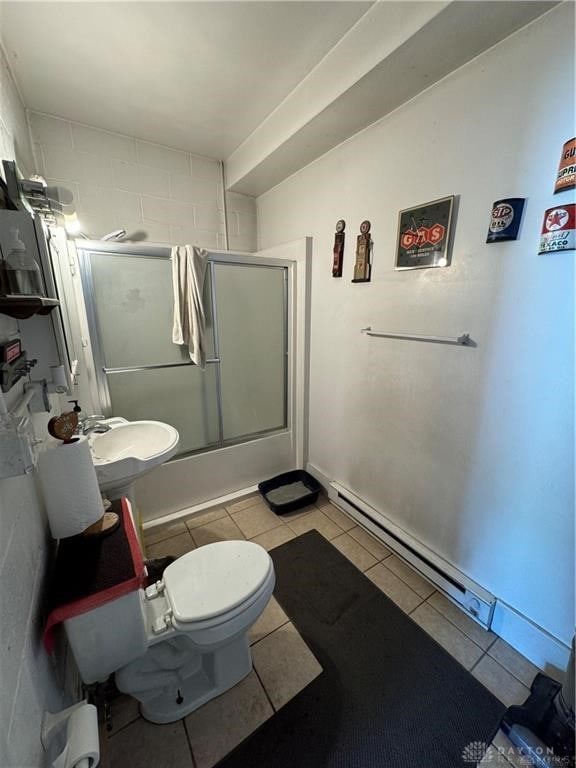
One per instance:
(83,420)
(96,427)
(86,423)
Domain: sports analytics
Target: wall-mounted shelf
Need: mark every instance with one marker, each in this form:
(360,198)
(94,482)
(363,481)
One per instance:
(21,307)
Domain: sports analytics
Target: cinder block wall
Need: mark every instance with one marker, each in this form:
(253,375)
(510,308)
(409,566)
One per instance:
(121,182)
(30,681)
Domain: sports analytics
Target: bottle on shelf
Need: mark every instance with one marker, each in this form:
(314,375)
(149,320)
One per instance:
(21,269)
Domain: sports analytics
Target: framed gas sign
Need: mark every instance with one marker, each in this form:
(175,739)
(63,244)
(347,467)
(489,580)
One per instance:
(424,234)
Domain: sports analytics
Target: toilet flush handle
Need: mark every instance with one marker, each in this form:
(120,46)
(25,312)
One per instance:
(154,590)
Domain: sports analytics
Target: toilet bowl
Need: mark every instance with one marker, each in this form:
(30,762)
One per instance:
(184,639)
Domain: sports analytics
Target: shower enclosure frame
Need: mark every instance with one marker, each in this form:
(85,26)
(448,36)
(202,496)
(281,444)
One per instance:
(100,372)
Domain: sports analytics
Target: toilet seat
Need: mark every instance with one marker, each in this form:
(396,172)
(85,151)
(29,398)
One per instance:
(216,622)
(216,582)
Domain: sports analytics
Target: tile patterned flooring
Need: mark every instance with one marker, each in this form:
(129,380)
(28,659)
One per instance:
(283,664)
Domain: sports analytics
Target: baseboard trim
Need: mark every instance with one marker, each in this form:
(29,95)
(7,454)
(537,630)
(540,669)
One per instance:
(221,501)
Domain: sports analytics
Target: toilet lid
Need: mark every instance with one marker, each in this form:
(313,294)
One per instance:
(215,578)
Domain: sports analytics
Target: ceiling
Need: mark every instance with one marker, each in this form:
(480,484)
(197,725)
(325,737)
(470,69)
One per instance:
(394,52)
(198,76)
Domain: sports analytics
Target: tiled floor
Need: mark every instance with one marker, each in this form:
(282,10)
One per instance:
(283,664)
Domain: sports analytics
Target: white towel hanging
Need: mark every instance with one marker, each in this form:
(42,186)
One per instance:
(189,265)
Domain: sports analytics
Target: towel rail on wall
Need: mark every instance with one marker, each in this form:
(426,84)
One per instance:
(155,366)
(460,341)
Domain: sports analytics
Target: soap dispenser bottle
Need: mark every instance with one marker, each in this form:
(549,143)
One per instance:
(22,270)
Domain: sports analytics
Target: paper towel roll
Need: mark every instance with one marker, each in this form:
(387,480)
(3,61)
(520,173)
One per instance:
(58,375)
(70,486)
(82,745)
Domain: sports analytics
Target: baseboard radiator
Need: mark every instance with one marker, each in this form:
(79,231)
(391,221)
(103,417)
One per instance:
(471,597)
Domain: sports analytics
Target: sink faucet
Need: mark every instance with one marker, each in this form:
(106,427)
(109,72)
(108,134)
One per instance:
(89,424)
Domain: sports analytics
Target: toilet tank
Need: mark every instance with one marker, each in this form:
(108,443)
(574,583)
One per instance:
(108,637)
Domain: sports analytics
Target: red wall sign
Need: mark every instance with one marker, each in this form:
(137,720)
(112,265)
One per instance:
(559,229)
(422,235)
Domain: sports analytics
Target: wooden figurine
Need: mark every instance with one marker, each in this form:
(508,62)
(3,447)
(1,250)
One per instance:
(363,267)
(338,252)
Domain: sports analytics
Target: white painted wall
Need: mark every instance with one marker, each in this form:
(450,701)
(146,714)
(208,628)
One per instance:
(121,182)
(470,450)
(30,681)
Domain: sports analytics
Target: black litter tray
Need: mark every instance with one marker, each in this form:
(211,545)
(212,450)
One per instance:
(290,491)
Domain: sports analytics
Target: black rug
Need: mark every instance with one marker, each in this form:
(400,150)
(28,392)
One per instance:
(388,696)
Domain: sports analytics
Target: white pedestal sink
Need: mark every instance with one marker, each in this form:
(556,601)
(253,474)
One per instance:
(129,450)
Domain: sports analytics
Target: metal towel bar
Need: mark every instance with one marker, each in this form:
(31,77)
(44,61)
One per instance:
(460,341)
(155,366)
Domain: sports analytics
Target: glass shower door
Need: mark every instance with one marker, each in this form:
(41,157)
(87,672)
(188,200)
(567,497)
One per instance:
(251,309)
(145,375)
(141,374)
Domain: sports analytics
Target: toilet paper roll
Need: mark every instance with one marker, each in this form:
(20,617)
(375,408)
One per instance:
(70,487)
(82,745)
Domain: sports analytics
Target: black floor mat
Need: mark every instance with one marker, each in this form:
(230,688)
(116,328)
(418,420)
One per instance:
(388,696)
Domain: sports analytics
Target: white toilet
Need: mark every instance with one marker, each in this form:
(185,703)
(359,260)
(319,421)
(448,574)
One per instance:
(185,639)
